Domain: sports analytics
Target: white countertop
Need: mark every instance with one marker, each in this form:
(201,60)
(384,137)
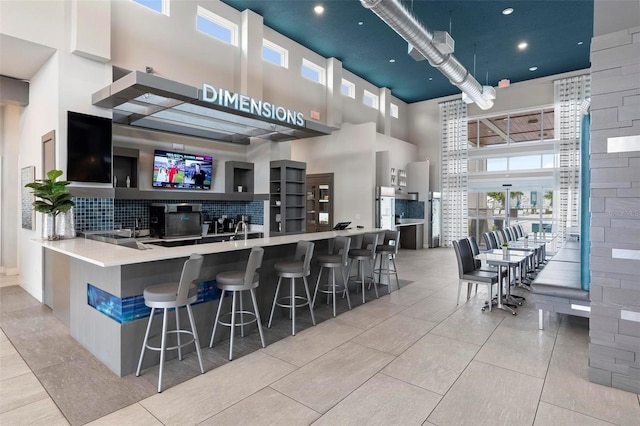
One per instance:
(409,222)
(105,254)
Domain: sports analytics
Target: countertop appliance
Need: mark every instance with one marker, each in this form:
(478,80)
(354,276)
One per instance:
(175,220)
(385,207)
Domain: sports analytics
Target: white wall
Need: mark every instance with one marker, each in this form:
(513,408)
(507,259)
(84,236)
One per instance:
(38,119)
(171,45)
(348,153)
(401,153)
(11,193)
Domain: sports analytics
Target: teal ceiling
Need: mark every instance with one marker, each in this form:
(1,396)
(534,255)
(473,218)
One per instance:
(485,39)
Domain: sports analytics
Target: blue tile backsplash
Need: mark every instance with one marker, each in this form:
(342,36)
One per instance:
(410,209)
(93,214)
(99,214)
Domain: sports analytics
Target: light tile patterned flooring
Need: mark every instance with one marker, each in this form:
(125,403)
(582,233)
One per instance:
(409,358)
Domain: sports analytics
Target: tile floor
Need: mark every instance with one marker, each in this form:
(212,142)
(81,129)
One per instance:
(412,357)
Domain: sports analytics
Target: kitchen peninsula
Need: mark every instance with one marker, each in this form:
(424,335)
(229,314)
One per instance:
(97,287)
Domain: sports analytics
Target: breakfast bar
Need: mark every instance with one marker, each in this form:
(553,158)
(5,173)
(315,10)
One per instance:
(97,287)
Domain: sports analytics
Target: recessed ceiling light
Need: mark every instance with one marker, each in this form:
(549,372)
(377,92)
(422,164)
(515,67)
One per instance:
(360,23)
(318,9)
(533,68)
(507,11)
(580,43)
(522,45)
(392,60)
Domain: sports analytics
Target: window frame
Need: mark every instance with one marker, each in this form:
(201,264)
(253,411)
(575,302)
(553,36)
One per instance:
(375,99)
(393,110)
(218,20)
(322,73)
(165,5)
(351,88)
(284,53)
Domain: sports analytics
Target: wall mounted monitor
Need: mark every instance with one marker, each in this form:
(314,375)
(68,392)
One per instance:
(88,148)
(182,171)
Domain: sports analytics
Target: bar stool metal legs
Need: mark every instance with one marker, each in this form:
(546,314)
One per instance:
(366,253)
(300,267)
(173,295)
(337,258)
(238,282)
(255,317)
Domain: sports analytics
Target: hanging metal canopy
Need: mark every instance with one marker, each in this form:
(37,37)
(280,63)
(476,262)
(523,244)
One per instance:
(146,100)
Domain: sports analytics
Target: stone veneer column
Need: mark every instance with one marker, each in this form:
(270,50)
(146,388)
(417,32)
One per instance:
(614,349)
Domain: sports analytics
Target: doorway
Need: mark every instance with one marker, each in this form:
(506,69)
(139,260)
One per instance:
(319,203)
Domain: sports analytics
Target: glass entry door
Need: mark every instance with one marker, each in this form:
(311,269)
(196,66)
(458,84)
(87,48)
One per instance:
(319,202)
(530,207)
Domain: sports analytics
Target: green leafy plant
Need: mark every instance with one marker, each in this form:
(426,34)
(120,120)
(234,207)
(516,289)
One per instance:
(505,244)
(52,196)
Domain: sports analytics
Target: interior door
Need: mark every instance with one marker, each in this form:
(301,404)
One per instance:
(319,208)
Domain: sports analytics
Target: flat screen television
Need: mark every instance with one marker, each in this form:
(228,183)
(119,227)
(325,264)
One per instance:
(181,171)
(88,148)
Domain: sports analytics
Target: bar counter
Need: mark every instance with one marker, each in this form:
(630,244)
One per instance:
(96,288)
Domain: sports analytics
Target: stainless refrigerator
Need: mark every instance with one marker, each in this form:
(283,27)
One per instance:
(435,219)
(386,207)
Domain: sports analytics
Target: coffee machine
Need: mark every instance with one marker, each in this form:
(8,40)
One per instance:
(223,225)
(175,220)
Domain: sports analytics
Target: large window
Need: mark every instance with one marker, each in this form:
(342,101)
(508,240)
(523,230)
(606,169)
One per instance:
(530,208)
(216,26)
(512,128)
(520,162)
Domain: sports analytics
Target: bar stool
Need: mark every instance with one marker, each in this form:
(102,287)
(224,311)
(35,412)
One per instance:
(366,253)
(337,258)
(173,295)
(386,252)
(299,267)
(237,282)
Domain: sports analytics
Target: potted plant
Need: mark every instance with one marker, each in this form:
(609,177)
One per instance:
(52,198)
(505,247)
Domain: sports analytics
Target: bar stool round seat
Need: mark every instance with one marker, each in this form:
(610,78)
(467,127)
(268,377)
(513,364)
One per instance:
(238,282)
(366,253)
(173,295)
(299,267)
(336,259)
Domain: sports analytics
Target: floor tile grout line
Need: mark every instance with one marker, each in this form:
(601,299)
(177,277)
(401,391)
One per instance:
(544,383)
(464,369)
(32,372)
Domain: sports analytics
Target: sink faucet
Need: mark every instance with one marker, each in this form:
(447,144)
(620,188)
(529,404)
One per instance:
(244,228)
(136,227)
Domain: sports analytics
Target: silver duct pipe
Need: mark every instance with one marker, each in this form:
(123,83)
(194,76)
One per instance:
(394,14)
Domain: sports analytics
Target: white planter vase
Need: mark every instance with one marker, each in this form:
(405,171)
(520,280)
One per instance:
(505,250)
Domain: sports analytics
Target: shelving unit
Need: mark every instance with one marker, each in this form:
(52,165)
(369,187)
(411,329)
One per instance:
(402,177)
(287,186)
(125,163)
(238,173)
